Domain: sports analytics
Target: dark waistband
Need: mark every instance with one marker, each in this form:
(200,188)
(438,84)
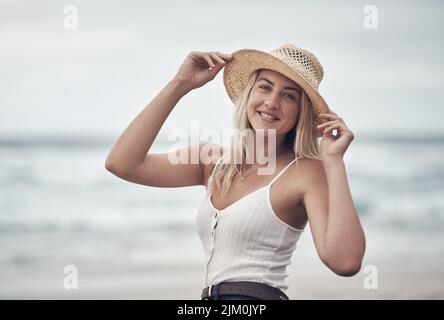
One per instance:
(257,290)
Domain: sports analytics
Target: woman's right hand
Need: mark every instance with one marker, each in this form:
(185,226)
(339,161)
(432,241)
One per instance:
(201,67)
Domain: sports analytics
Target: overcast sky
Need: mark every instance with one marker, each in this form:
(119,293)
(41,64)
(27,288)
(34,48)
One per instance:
(95,79)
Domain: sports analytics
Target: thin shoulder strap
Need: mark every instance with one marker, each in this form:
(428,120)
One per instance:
(283,170)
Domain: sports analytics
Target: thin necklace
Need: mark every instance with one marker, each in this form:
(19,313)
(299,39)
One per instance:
(242,177)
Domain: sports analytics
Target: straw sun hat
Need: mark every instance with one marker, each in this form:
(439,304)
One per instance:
(295,63)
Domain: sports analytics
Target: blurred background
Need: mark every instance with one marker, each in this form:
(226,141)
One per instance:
(74,75)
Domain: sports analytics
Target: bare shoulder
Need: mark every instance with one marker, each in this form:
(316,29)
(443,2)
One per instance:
(301,178)
(314,180)
(312,166)
(210,153)
(311,173)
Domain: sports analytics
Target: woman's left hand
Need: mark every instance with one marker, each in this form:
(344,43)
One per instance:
(334,147)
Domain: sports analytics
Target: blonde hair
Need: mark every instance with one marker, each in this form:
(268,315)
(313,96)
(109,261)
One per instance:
(302,139)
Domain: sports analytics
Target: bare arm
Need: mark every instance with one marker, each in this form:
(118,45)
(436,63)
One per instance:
(337,231)
(133,145)
(334,222)
(129,157)
(344,238)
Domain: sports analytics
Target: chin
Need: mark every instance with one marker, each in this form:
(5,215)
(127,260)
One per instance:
(264,129)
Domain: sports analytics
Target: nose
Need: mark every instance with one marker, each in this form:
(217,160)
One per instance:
(273,101)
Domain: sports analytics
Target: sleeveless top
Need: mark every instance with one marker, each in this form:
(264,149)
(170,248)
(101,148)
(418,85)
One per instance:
(246,241)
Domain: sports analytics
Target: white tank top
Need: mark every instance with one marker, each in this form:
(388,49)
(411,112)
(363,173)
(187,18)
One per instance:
(246,241)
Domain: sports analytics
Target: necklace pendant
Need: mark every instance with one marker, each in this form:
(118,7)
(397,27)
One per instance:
(243,178)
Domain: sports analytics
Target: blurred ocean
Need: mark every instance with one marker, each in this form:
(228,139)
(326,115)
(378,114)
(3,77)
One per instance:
(59,206)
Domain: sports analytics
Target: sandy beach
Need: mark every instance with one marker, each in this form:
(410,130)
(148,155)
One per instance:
(400,275)
(166,283)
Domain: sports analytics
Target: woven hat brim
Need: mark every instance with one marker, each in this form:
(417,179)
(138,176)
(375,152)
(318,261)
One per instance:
(246,61)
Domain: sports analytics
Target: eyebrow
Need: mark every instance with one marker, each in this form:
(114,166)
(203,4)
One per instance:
(289,88)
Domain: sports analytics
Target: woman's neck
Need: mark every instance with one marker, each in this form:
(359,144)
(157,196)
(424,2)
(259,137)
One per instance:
(262,153)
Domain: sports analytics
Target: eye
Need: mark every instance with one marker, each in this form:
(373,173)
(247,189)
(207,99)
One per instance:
(292,97)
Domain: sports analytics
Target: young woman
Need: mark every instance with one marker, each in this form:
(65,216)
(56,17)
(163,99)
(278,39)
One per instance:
(250,221)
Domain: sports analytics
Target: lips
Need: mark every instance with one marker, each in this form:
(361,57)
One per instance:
(267,116)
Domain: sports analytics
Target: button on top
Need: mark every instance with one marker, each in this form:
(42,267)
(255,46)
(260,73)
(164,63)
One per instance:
(215,220)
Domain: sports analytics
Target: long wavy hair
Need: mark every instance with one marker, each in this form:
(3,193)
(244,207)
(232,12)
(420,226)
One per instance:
(302,139)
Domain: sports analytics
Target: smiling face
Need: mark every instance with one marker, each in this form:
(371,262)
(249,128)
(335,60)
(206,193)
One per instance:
(274,102)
